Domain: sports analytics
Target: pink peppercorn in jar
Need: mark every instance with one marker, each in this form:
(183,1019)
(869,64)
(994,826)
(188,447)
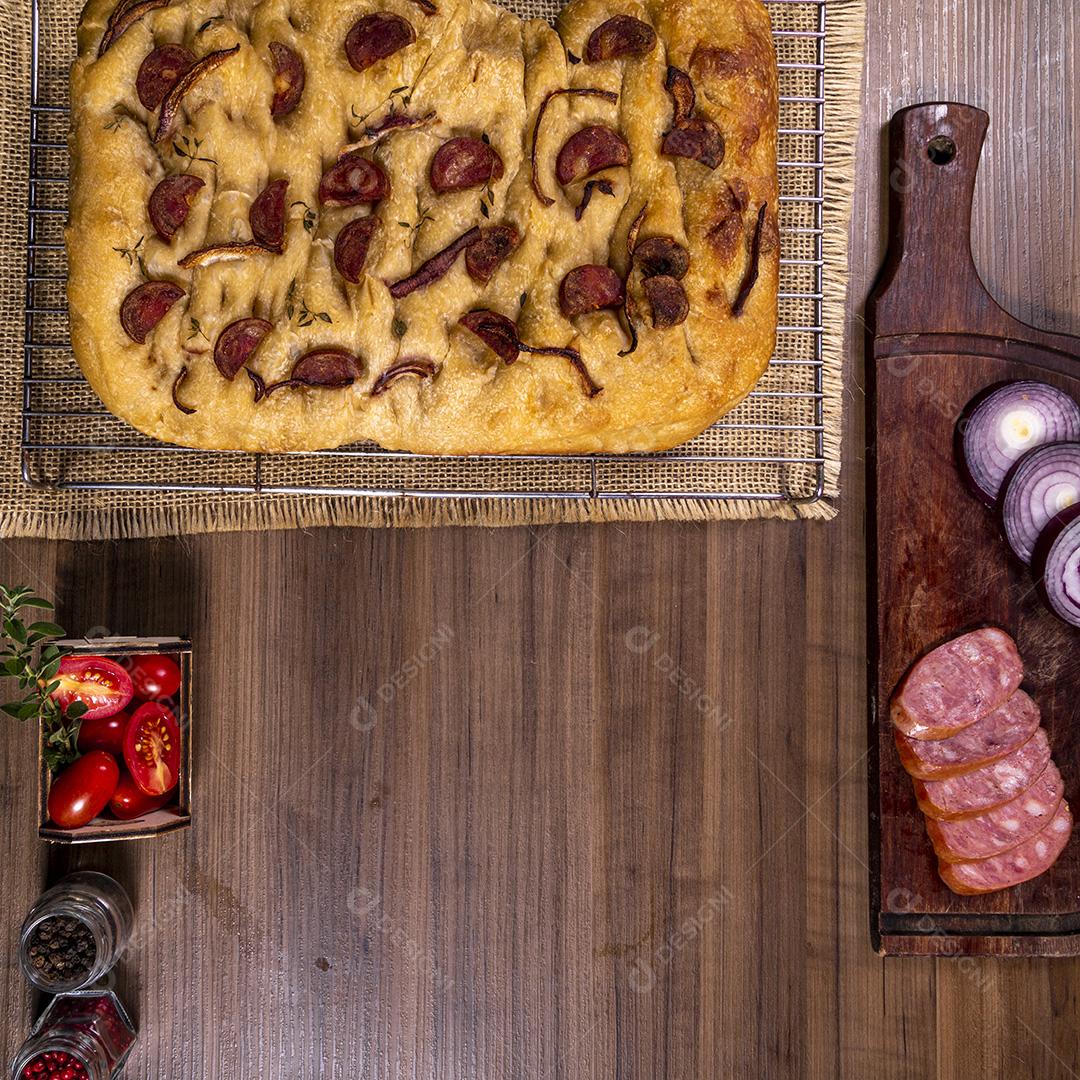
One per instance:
(83,1035)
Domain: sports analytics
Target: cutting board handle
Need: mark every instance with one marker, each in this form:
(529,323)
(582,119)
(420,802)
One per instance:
(929,283)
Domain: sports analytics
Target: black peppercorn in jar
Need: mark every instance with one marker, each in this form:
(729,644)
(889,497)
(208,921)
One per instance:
(75,932)
(83,1035)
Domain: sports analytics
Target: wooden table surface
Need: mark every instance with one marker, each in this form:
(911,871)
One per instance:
(571,802)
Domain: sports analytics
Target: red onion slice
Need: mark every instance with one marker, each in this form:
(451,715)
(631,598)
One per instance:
(1042,483)
(1056,565)
(1003,423)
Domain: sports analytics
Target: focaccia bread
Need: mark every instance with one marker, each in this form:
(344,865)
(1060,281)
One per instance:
(429,224)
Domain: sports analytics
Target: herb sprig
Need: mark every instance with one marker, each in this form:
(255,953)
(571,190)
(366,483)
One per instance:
(189,148)
(423,218)
(29,655)
(295,304)
(132,254)
(399,93)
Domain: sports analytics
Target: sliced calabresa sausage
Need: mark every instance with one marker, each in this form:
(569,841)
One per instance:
(325,368)
(289,78)
(159,72)
(1025,861)
(237,342)
(483,257)
(618,37)
(351,247)
(661,256)
(668,301)
(697,138)
(496,331)
(590,288)
(690,136)
(976,792)
(588,151)
(463,163)
(375,37)
(145,306)
(352,180)
(500,335)
(567,91)
(170,203)
(957,683)
(267,215)
(993,737)
(1003,827)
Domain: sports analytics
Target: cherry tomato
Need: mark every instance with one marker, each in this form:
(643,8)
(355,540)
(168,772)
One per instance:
(152,749)
(104,733)
(81,791)
(102,686)
(155,677)
(129,802)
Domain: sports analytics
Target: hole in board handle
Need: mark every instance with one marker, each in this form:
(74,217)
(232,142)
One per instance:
(941,150)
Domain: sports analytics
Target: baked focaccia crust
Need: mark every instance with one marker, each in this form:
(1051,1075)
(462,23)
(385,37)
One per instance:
(406,372)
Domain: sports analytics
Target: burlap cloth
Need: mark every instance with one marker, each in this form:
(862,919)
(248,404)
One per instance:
(795,417)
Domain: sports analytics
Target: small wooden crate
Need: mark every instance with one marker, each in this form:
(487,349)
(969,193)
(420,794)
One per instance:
(169,818)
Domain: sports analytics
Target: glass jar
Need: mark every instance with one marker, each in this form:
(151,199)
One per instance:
(87,1032)
(94,901)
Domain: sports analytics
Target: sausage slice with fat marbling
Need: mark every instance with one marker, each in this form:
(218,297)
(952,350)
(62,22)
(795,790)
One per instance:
(1003,827)
(976,792)
(1022,863)
(957,684)
(990,739)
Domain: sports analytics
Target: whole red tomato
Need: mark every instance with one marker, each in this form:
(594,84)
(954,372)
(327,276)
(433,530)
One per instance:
(129,802)
(154,677)
(81,791)
(104,733)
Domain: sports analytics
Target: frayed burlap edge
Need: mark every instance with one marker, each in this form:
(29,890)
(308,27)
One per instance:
(845,30)
(288,512)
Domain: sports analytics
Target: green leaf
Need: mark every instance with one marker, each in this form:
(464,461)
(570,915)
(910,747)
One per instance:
(75,710)
(12,709)
(37,602)
(50,629)
(51,669)
(28,710)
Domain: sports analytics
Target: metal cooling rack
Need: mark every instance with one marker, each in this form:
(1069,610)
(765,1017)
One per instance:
(82,447)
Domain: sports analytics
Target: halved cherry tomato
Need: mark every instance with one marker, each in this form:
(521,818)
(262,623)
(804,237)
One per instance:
(101,685)
(155,677)
(81,791)
(129,802)
(104,733)
(152,749)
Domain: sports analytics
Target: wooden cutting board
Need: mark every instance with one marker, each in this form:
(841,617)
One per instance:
(938,564)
